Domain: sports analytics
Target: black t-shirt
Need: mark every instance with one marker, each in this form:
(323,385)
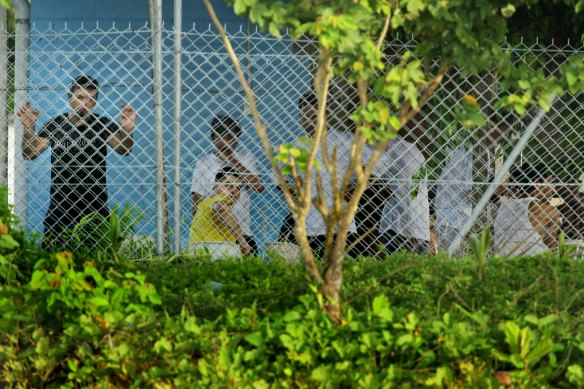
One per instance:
(78,166)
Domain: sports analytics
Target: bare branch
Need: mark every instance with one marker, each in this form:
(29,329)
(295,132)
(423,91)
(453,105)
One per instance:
(384,31)
(319,201)
(297,179)
(406,114)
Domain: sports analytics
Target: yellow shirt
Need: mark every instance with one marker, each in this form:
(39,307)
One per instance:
(207,226)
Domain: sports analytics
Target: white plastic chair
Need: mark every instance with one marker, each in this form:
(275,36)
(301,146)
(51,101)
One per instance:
(217,250)
(289,252)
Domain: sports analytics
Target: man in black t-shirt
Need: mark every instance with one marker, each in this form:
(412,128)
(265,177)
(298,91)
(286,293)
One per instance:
(78,141)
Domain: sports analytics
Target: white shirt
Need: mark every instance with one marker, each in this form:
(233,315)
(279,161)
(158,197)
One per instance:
(453,201)
(204,179)
(315,224)
(514,233)
(402,214)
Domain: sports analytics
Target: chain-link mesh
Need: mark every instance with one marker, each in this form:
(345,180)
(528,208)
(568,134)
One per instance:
(427,182)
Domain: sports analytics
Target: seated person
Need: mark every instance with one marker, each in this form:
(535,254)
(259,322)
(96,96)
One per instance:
(214,220)
(453,202)
(315,223)
(405,219)
(527,224)
(225,135)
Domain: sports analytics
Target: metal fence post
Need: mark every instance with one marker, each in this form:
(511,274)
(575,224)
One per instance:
(177,122)
(155,14)
(17,165)
(3,95)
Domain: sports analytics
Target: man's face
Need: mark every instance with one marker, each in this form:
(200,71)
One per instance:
(308,119)
(82,101)
(226,143)
(231,187)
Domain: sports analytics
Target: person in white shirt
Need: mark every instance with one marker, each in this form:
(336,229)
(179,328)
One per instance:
(527,224)
(453,202)
(225,132)
(315,224)
(405,220)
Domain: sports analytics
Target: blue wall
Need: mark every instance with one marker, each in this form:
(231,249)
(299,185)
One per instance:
(210,86)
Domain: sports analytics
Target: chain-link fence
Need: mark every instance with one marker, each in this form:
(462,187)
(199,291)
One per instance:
(429,180)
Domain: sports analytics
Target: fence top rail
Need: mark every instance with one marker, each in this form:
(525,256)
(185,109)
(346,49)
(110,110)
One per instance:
(205,30)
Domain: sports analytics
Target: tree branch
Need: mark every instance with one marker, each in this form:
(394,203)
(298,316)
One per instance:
(406,114)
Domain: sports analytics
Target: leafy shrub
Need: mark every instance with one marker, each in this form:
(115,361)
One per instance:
(409,322)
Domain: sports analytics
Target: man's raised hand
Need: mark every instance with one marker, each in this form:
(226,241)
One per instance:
(27,115)
(128,118)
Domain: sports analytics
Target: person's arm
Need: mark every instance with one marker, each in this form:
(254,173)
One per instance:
(546,219)
(121,141)
(32,145)
(223,210)
(201,183)
(195,200)
(253,180)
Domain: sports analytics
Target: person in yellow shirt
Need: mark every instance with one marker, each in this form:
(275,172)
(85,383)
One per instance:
(214,220)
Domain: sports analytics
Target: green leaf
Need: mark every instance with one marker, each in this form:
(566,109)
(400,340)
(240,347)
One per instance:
(255,339)
(508,10)
(163,344)
(571,78)
(38,279)
(8,242)
(292,316)
(501,356)
(404,340)
(512,336)
(524,84)
(239,7)
(541,349)
(99,301)
(153,297)
(525,338)
(415,6)
(274,30)
(575,375)
(394,123)
(191,326)
(383,113)
(288,342)
(379,303)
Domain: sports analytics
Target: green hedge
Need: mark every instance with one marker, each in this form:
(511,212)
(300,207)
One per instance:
(408,322)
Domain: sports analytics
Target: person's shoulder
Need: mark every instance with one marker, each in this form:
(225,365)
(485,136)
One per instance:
(207,200)
(209,159)
(244,155)
(57,120)
(210,201)
(103,120)
(544,205)
(53,125)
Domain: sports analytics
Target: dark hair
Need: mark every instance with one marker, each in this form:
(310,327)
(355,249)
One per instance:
(84,82)
(308,99)
(227,171)
(224,124)
(527,174)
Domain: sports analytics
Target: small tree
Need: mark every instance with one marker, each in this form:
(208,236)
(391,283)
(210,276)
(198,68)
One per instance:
(352,36)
